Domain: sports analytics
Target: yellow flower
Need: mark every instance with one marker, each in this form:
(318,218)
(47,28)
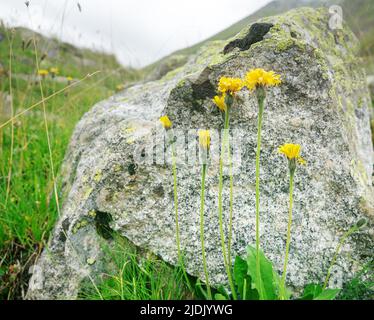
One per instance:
(166,123)
(292,151)
(69,79)
(220,102)
(230,85)
(204,139)
(260,77)
(119,87)
(301,160)
(54,71)
(43,72)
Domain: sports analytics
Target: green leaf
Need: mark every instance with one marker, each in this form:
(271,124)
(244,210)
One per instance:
(311,291)
(200,287)
(219,296)
(243,280)
(222,291)
(265,282)
(328,294)
(240,272)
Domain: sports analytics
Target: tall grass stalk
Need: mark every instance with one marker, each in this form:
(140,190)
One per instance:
(46,129)
(10,163)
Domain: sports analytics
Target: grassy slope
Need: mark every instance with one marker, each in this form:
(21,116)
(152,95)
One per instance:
(27,205)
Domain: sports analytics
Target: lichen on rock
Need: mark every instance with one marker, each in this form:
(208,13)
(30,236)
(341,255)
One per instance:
(323,104)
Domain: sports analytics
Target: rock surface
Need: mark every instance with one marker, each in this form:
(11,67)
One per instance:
(323,104)
(166,65)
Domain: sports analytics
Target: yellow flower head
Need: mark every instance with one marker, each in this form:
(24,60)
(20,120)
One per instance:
(43,72)
(54,71)
(166,123)
(204,139)
(230,85)
(220,102)
(260,77)
(292,151)
(69,79)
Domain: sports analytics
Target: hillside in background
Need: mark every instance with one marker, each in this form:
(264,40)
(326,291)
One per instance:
(70,60)
(358,14)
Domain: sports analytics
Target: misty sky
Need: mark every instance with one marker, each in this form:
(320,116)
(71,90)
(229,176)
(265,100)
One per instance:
(138,31)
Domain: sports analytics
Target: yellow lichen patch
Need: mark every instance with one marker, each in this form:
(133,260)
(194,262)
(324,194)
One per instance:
(171,74)
(87,193)
(358,171)
(129,130)
(84,179)
(117,168)
(92,213)
(115,197)
(130,140)
(79,225)
(98,175)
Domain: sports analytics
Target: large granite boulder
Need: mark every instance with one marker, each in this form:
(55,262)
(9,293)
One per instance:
(110,183)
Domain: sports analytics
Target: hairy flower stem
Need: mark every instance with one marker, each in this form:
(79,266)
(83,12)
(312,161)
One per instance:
(203,174)
(261,100)
(282,288)
(174,169)
(338,248)
(220,188)
(231,201)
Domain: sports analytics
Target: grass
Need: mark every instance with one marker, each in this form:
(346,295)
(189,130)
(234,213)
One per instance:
(28,207)
(134,276)
(361,286)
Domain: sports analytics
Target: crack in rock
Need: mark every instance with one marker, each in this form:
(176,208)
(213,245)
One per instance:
(256,33)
